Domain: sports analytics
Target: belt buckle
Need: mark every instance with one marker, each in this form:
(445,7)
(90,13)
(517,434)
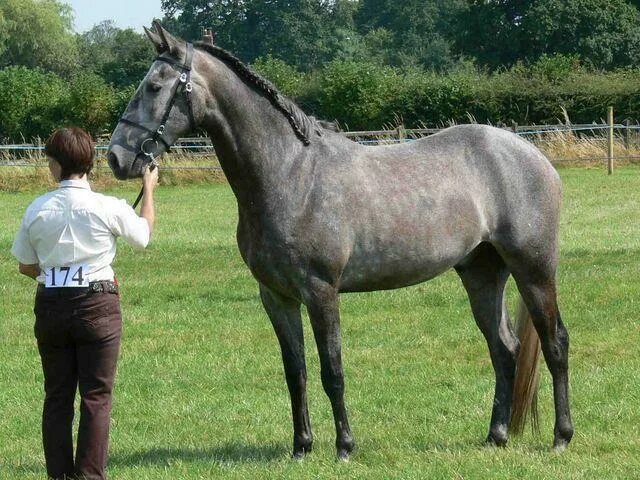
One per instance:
(96,287)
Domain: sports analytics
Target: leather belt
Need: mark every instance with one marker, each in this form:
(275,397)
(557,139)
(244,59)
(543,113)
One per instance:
(103,286)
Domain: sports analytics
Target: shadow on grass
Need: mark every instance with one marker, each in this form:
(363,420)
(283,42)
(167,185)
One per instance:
(228,453)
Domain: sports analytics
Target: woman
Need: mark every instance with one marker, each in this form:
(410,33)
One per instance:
(67,242)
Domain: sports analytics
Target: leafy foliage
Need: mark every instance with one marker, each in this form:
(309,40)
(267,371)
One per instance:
(310,33)
(289,80)
(359,94)
(362,95)
(301,32)
(31,102)
(603,33)
(4,33)
(38,33)
(120,57)
(355,93)
(34,102)
(365,63)
(420,30)
(91,103)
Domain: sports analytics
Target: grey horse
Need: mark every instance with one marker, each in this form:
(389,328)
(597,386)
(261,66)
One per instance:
(320,215)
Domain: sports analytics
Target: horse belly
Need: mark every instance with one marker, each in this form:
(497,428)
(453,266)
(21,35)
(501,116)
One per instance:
(403,260)
(412,229)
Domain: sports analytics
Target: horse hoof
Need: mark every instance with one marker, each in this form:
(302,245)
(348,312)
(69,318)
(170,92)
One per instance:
(560,445)
(300,454)
(562,438)
(343,455)
(497,438)
(492,443)
(344,449)
(300,451)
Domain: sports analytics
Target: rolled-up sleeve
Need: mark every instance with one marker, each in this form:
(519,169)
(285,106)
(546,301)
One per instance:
(22,248)
(127,224)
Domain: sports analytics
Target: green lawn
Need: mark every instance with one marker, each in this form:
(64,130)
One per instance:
(200,391)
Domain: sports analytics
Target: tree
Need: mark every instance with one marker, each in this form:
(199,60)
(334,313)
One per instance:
(421,31)
(303,33)
(31,102)
(90,103)
(288,80)
(355,93)
(3,34)
(489,31)
(603,33)
(120,57)
(38,33)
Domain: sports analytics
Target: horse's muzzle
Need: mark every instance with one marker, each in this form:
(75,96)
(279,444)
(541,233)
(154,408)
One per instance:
(114,163)
(123,169)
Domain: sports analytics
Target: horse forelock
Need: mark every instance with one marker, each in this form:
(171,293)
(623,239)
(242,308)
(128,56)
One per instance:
(303,126)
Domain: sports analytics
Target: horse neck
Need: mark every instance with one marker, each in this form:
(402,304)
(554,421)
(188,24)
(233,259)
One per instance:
(254,141)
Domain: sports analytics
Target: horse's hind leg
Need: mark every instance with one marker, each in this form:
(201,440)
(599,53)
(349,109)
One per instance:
(484,276)
(324,313)
(285,317)
(538,290)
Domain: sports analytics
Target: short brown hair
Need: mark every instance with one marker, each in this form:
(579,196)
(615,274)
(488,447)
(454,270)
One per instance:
(73,149)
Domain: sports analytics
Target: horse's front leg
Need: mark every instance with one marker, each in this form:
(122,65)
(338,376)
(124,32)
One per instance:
(285,317)
(324,313)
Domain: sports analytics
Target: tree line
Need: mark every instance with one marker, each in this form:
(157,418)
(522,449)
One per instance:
(364,63)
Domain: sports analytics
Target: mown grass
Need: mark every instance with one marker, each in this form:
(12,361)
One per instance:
(200,392)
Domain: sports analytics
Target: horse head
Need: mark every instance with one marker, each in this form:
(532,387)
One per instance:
(168,103)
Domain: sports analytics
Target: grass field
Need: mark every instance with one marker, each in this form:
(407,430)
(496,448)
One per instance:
(200,391)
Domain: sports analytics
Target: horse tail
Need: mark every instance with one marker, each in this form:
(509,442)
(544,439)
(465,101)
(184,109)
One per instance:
(525,387)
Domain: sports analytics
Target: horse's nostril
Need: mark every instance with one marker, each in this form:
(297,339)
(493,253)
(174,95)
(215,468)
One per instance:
(116,168)
(112,158)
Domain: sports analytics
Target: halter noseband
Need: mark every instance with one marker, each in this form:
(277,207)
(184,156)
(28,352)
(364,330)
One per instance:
(182,84)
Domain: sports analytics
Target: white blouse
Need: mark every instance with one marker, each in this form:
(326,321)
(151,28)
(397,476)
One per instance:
(74,225)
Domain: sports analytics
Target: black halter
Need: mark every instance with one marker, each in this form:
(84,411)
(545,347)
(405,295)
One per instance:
(181,85)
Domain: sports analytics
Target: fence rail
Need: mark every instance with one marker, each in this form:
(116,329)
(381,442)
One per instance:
(15,155)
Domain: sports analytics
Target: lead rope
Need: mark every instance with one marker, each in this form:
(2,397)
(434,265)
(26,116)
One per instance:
(152,166)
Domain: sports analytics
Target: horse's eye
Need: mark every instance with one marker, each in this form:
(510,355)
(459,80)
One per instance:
(154,87)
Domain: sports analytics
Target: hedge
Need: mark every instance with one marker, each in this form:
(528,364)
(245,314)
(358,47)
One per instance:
(358,94)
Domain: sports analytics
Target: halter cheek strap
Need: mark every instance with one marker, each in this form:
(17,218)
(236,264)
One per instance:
(148,145)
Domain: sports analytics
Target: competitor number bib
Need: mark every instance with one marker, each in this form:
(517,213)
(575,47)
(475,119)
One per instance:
(70,276)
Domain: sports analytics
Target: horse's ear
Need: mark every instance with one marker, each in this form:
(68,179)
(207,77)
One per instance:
(157,41)
(169,42)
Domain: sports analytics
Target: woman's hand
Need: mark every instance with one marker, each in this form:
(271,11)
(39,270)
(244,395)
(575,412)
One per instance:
(150,178)
(149,182)
(31,271)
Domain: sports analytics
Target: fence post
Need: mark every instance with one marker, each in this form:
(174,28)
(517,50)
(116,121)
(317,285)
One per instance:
(402,133)
(610,143)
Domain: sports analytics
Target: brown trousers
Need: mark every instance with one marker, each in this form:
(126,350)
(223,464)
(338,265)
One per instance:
(78,337)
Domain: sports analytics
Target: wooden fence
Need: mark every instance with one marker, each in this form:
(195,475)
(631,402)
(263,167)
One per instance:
(626,133)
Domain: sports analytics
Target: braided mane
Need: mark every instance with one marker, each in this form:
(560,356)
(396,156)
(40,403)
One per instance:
(303,125)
